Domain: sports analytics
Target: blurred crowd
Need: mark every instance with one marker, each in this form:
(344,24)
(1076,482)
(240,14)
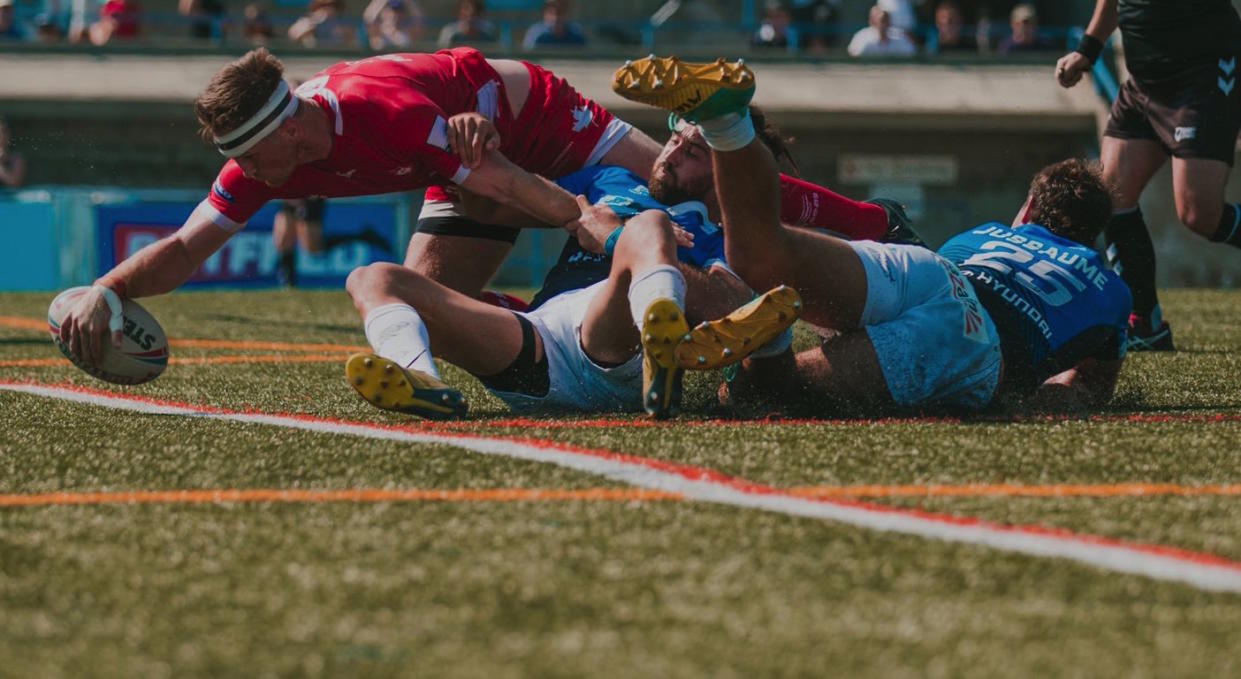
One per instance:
(903,28)
(382,25)
(894,27)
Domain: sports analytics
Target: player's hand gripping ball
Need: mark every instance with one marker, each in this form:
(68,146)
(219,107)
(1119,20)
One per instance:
(143,353)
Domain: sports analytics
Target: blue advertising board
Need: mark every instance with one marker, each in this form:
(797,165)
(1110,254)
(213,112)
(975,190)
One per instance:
(29,258)
(361,233)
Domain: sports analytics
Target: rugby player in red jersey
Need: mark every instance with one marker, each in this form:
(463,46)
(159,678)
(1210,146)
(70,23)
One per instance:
(381,125)
(374,126)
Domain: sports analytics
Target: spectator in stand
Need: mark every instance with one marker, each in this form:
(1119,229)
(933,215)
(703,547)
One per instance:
(816,23)
(324,25)
(204,16)
(46,29)
(950,30)
(901,13)
(774,30)
(118,20)
(471,26)
(256,27)
(556,29)
(1025,38)
(392,25)
(12,164)
(10,28)
(880,39)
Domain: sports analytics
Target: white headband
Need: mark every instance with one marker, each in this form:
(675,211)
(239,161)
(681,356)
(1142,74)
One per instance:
(278,108)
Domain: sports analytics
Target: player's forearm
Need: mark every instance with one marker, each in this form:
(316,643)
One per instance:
(500,180)
(543,200)
(156,269)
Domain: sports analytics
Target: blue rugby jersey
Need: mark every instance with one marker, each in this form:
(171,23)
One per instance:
(627,195)
(1053,300)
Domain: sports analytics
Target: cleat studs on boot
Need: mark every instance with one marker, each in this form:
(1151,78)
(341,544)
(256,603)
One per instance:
(727,352)
(359,381)
(368,362)
(383,385)
(687,337)
(783,316)
(388,368)
(702,360)
(673,316)
(796,305)
(446,398)
(745,341)
(648,338)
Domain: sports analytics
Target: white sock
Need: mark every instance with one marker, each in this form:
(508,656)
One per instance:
(397,333)
(778,345)
(728,132)
(659,282)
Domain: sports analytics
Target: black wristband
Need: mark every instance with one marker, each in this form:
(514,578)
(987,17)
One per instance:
(1090,47)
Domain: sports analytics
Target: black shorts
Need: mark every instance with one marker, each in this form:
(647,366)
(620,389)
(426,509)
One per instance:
(304,209)
(1197,117)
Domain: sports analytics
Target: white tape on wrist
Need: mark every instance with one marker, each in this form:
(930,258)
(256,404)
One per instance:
(117,320)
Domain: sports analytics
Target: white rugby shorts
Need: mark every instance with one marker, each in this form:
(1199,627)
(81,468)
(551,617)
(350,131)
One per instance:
(576,383)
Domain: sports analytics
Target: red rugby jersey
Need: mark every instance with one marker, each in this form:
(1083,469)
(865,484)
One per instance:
(389,115)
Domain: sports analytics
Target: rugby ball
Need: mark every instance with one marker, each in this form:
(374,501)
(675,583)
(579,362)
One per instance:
(143,354)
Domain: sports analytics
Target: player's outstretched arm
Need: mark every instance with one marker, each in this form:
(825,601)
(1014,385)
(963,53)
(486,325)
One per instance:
(1072,66)
(156,269)
(498,179)
(1086,386)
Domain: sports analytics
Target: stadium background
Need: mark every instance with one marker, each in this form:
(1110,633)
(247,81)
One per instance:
(104,128)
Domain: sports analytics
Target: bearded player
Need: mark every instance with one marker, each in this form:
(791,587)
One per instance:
(1020,309)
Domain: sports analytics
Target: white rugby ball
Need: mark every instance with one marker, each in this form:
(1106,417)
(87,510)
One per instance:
(144,347)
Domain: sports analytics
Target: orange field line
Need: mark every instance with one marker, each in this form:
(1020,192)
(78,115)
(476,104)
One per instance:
(1017,490)
(23,323)
(357,495)
(190,360)
(264,346)
(595,494)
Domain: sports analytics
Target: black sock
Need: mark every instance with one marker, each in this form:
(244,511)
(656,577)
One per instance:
(1229,229)
(288,267)
(1132,255)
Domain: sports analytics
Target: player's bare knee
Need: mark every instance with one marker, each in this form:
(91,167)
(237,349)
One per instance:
(1201,219)
(367,282)
(646,235)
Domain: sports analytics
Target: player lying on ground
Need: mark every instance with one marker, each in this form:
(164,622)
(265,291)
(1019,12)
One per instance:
(576,349)
(606,347)
(379,125)
(998,310)
(1181,100)
(682,185)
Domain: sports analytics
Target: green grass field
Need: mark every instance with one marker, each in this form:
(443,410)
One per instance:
(572,574)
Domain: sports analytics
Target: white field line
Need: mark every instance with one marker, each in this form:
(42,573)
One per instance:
(1202,570)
